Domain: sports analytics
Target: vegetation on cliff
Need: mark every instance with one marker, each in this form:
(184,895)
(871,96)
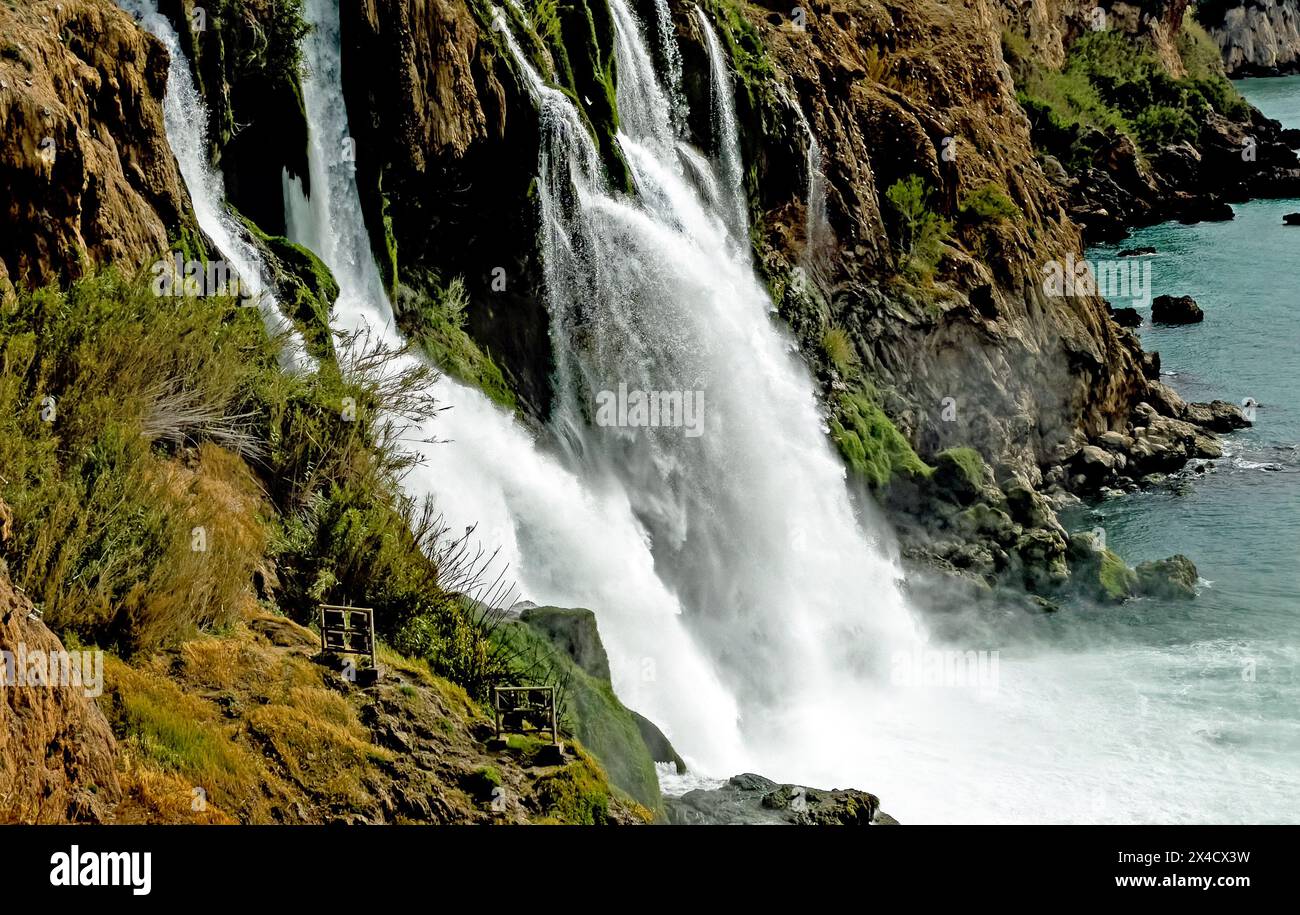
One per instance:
(1111,81)
(169,492)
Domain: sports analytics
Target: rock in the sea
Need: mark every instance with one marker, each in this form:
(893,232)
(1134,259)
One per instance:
(1126,317)
(750,799)
(1139,251)
(1173,578)
(1217,416)
(1095,464)
(1291,219)
(1175,309)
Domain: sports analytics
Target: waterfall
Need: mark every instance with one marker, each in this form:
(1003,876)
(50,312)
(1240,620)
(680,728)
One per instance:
(185,117)
(726,131)
(750,522)
(816,227)
(565,540)
(667,35)
(746,608)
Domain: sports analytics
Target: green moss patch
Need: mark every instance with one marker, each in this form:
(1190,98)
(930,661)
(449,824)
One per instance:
(871,444)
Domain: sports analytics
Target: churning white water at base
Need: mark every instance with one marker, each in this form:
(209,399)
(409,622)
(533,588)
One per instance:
(185,116)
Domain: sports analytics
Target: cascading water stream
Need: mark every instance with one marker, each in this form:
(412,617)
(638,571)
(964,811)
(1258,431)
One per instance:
(185,116)
(751,521)
(727,132)
(817,228)
(567,541)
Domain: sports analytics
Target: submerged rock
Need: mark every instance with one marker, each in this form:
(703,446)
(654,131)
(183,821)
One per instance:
(1176,309)
(1139,251)
(753,800)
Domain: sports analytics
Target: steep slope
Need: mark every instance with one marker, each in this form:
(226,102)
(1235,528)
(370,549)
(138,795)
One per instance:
(58,759)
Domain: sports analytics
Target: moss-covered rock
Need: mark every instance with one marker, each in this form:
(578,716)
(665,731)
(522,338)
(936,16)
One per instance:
(1115,580)
(572,630)
(1174,578)
(576,794)
(962,475)
(304,286)
(871,444)
(590,709)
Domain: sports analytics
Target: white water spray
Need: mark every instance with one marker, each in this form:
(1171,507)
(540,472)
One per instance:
(751,523)
(727,133)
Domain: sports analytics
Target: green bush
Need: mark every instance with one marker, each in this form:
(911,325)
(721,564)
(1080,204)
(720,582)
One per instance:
(1160,125)
(988,204)
(922,232)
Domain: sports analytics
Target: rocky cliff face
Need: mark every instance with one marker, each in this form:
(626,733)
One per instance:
(896,89)
(58,759)
(1257,37)
(88,175)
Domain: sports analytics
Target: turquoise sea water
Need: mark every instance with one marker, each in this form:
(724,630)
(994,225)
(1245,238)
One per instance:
(1230,660)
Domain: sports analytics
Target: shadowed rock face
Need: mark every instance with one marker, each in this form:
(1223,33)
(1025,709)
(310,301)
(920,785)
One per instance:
(752,800)
(88,175)
(58,759)
(446,153)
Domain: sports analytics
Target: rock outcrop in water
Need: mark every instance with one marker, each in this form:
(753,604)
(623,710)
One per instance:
(1176,309)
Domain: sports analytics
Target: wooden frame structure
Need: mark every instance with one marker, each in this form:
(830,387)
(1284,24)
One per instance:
(514,705)
(348,630)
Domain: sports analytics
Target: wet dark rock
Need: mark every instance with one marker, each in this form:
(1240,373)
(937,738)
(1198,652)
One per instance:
(750,799)
(1139,251)
(1126,317)
(1291,219)
(1176,309)
(661,749)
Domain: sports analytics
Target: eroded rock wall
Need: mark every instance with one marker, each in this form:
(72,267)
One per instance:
(58,759)
(87,174)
